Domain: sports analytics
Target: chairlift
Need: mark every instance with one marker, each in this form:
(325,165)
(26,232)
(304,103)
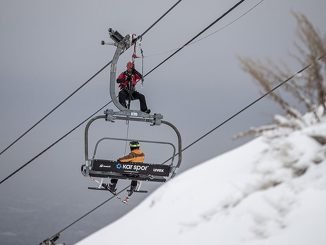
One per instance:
(103,168)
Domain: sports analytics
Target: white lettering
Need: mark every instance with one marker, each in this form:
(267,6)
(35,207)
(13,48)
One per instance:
(104,166)
(127,166)
(158,170)
(139,167)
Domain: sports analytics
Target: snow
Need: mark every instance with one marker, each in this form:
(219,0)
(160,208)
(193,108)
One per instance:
(271,190)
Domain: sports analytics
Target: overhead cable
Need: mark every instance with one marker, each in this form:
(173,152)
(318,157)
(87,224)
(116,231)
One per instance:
(57,234)
(197,35)
(204,135)
(208,35)
(80,87)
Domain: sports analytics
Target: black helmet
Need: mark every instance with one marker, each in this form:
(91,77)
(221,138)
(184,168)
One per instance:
(134,144)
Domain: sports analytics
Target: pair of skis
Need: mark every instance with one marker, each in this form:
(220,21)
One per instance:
(126,198)
(122,199)
(104,187)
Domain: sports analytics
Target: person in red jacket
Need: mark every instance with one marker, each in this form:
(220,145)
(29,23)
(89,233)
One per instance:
(127,81)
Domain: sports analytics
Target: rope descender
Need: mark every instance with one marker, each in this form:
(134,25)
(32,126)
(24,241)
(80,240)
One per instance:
(134,56)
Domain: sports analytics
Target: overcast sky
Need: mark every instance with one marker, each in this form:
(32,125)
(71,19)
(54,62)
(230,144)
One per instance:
(49,48)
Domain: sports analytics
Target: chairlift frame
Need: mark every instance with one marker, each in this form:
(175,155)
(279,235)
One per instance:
(110,168)
(90,163)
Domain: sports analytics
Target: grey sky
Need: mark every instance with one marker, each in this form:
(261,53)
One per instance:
(49,48)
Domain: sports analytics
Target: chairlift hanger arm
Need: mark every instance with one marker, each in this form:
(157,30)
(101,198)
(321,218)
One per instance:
(122,43)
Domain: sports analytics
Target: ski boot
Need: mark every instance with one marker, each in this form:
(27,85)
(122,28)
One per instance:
(109,187)
(132,189)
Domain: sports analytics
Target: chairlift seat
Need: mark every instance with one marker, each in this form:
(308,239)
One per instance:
(132,170)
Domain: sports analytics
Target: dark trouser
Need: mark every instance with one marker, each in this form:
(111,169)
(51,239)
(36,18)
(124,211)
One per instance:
(114,181)
(133,182)
(124,95)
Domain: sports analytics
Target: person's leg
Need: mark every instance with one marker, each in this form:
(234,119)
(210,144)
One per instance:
(112,185)
(123,96)
(134,183)
(142,101)
(132,187)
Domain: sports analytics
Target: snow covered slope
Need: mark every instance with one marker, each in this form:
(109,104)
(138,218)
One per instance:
(269,191)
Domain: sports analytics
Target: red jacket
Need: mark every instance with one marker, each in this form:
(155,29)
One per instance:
(124,77)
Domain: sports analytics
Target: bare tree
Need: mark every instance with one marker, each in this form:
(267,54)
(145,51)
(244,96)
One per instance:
(311,91)
(312,49)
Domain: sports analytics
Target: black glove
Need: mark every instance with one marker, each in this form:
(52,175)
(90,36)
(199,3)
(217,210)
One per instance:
(128,77)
